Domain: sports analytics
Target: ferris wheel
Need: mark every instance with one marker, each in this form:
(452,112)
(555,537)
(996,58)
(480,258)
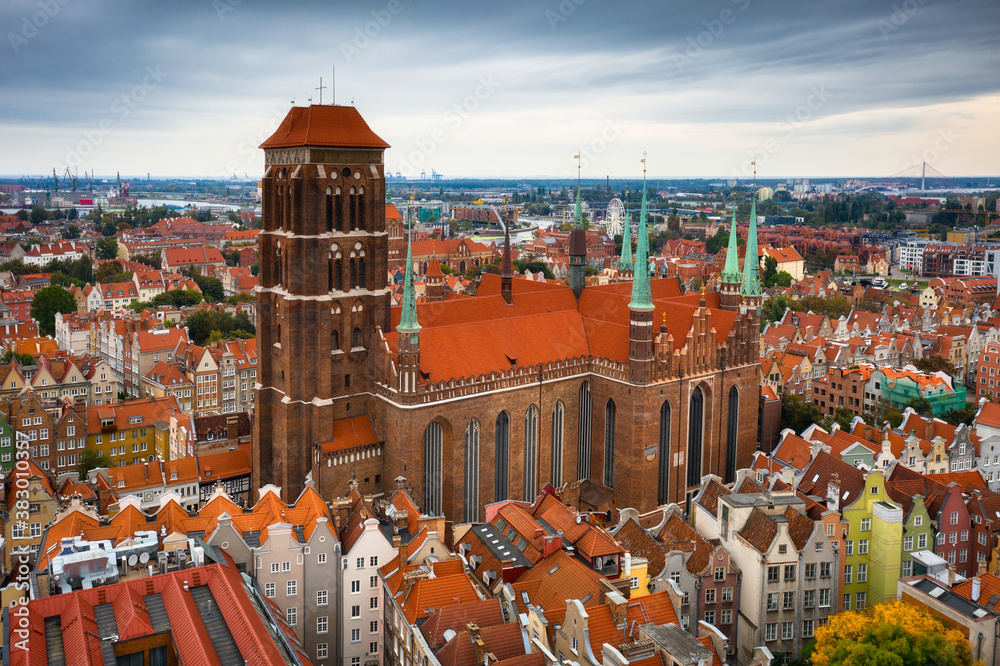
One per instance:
(614,219)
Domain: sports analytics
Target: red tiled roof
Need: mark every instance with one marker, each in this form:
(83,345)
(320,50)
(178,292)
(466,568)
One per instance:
(324,125)
(350,433)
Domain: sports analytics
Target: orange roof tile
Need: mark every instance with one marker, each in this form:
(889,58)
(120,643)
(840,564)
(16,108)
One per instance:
(324,125)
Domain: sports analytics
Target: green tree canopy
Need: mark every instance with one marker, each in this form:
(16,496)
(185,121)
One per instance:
(47,303)
(798,413)
(106,248)
(71,232)
(211,288)
(24,359)
(92,459)
(935,364)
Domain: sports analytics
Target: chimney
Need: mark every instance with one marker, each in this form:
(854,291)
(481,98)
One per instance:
(951,575)
(975,588)
(401,550)
(477,642)
(833,493)
(928,428)
(552,543)
(981,567)
(619,608)
(627,571)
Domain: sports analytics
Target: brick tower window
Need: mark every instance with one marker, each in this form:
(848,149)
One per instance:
(334,340)
(361,272)
(356,337)
(329,209)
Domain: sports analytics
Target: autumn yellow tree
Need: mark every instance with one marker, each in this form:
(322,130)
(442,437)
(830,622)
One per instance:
(890,634)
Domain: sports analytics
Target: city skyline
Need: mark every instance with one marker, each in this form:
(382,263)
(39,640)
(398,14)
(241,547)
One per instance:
(847,89)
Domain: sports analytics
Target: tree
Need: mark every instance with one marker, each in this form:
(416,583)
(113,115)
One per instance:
(92,459)
(71,231)
(783,279)
(935,364)
(211,288)
(890,633)
(47,303)
(24,359)
(107,248)
(535,267)
(964,415)
(717,242)
(797,413)
(83,269)
(770,271)
(107,271)
(920,405)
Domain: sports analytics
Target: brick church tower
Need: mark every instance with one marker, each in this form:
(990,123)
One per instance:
(323,285)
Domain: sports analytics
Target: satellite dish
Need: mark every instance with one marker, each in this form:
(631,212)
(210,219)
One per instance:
(144,557)
(132,559)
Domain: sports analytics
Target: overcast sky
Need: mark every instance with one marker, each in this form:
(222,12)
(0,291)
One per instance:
(508,88)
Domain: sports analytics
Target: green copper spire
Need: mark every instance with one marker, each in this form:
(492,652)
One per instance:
(626,263)
(751,265)
(642,290)
(408,317)
(578,217)
(731,273)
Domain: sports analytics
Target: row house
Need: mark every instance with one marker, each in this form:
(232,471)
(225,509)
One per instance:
(364,549)
(111,296)
(55,431)
(143,349)
(786,562)
(949,514)
(19,303)
(204,258)
(25,536)
(698,573)
(193,480)
(134,431)
(73,331)
(43,253)
(237,280)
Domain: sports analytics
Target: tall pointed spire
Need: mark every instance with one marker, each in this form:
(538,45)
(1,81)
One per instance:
(577,250)
(731,272)
(506,268)
(642,290)
(408,316)
(578,215)
(751,265)
(625,263)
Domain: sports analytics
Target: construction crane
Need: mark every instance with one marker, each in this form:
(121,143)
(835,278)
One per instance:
(73,180)
(55,180)
(90,180)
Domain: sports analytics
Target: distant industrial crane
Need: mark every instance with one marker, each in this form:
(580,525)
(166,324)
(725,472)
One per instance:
(55,180)
(73,180)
